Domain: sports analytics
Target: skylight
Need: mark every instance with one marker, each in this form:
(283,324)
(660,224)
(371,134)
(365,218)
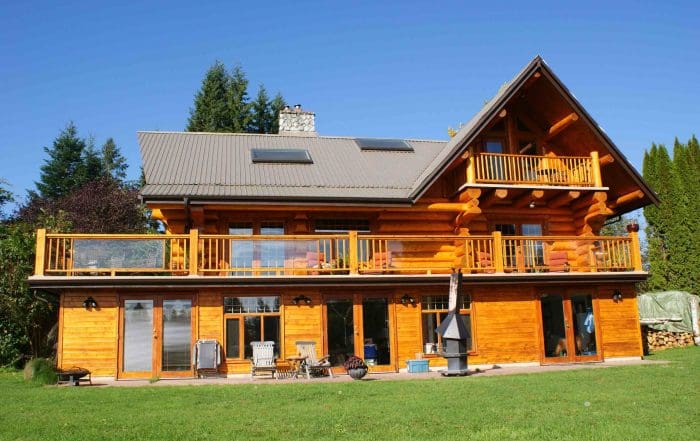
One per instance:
(386,145)
(281,156)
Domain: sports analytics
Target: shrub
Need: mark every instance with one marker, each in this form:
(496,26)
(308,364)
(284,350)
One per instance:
(354,362)
(40,371)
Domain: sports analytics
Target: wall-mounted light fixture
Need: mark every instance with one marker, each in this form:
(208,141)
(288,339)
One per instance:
(532,204)
(408,300)
(617,295)
(632,227)
(301,299)
(89,303)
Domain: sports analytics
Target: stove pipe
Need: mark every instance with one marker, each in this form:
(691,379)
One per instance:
(454,332)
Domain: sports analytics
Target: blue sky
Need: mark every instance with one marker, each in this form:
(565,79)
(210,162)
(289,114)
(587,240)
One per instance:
(377,68)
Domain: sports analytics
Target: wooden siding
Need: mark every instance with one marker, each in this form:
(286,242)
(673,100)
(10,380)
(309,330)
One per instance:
(619,322)
(88,338)
(507,325)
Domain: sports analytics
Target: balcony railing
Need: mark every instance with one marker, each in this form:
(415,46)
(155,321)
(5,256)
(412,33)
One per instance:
(546,170)
(316,255)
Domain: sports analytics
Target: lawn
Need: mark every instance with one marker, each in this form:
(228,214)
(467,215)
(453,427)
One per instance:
(629,403)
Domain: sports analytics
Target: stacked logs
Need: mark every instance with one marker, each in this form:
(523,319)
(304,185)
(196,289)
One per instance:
(655,340)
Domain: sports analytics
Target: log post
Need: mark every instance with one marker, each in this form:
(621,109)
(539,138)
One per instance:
(595,169)
(40,252)
(194,251)
(498,251)
(471,170)
(636,251)
(352,252)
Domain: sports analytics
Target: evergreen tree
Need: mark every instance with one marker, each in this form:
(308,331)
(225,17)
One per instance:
(261,113)
(91,168)
(113,163)
(211,112)
(238,105)
(63,170)
(673,251)
(276,105)
(5,194)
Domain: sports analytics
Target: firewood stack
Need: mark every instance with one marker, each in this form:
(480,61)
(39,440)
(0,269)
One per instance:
(655,340)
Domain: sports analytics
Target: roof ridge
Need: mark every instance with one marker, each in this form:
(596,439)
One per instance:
(276,135)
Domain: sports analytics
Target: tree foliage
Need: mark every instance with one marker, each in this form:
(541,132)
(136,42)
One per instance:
(222,104)
(672,227)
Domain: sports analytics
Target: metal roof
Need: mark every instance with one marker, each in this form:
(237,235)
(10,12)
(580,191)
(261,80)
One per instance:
(219,166)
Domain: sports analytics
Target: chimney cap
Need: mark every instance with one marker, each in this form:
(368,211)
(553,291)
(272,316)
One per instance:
(297,107)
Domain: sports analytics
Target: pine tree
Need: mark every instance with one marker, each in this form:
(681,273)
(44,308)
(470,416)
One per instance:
(238,105)
(276,105)
(113,163)
(210,112)
(92,168)
(63,170)
(261,113)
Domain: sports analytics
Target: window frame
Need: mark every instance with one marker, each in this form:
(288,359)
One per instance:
(466,298)
(241,316)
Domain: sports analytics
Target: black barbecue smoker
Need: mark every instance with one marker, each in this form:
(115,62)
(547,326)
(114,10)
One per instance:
(453,331)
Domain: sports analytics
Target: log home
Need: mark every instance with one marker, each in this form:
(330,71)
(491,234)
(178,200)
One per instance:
(349,243)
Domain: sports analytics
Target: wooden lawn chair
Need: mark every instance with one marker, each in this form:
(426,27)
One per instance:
(313,365)
(263,360)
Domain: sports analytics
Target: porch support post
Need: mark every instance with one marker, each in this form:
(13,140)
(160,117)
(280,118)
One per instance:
(194,251)
(39,259)
(471,169)
(352,252)
(636,251)
(595,169)
(497,251)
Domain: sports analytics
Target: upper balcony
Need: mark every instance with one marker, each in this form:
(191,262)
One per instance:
(534,170)
(85,255)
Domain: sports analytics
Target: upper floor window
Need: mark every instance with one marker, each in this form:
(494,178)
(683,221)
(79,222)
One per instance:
(341,225)
(247,254)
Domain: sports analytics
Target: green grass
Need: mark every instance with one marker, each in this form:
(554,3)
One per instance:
(651,402)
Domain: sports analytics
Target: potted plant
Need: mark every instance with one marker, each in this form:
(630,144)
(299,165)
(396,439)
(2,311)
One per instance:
(356,367)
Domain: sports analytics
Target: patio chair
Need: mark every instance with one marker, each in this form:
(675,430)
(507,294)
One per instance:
(313,365)
(263,361)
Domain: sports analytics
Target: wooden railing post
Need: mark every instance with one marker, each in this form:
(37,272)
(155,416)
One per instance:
(471,169)
(595,169)
(353,252)
(39,259)
(194,251)
(498,251)
(636,251)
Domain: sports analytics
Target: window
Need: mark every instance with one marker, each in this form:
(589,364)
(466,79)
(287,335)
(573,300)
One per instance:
(248,254)
(387,145)
(532,250)
(434,311)
(250,319)
(281,156)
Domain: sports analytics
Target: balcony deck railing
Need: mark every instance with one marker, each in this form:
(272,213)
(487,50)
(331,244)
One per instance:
(311,255)
(546,170)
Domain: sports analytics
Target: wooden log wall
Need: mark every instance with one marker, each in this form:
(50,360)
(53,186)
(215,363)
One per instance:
(619,322)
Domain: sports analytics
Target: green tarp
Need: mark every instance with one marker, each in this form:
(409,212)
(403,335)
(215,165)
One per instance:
(668,310)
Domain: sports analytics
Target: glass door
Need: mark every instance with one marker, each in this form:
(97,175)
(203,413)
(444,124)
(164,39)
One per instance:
(568,328)
(358,324)
(156,337)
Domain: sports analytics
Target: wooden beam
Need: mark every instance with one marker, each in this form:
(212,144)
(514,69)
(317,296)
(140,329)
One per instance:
(497,195)
(598,196)
(563,199)
(625,198)
(502,113)
(605,160)
(39,257)
(560,125)
(469,194)
(528,197)
(512,137)
(466,216)
(454,206)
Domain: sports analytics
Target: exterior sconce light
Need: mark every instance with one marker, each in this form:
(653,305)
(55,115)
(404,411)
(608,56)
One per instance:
(617,295)
(532,204)
(301,299)
(89,303)
(408,300)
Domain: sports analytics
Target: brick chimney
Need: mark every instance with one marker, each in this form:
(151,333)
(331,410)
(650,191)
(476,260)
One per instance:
(297,122)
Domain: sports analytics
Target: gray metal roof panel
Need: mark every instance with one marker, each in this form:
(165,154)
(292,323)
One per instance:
(219,165)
